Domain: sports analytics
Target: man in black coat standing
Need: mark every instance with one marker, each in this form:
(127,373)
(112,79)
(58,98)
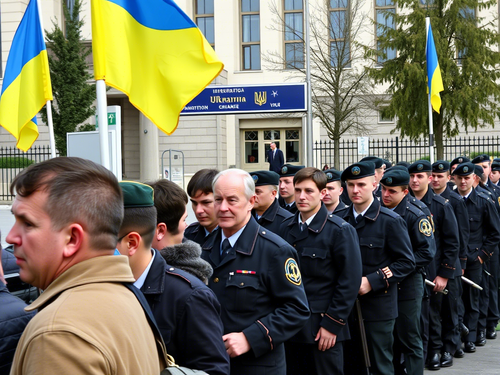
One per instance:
(256,279)
(275,158)
(330,261)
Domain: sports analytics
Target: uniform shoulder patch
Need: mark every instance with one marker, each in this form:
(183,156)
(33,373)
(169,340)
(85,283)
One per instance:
(336,220)
(425,227)
(439,199)
(485,195)
(384,210)
(292,271)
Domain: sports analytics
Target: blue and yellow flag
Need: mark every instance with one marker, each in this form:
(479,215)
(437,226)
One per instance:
(434,79)
(152,51)
(26,85)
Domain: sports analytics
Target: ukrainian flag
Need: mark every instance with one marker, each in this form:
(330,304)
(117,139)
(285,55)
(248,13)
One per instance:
(152,51)
(434,80)
(26,85)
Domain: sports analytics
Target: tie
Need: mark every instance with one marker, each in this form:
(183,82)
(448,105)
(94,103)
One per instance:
(303,226)
(465,199)
(226,248)
(358,218)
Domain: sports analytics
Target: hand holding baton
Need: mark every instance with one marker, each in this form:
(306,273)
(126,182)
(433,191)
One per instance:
(471,283)
(430,283)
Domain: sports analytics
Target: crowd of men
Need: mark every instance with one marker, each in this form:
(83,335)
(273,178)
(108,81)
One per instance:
(392,267)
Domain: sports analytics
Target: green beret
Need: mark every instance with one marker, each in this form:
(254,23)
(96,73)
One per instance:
(262,178)
(441,166)
(379,162)
(395,177)
(464,169)
(136,194)
(358,170)
(332,175)
(289,170)
(420,166)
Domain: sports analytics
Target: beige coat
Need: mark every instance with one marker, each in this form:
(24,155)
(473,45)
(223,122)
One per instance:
(88,323)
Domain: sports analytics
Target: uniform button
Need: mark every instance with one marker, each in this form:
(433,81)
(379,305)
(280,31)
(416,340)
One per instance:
(263,232)
(294,245)
(242,284)
(171,269)
(216,280)
(314,255)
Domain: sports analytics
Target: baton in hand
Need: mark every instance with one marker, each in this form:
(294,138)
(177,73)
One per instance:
(430,283)
(471,283)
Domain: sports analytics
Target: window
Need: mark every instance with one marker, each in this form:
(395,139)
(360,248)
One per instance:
(251,147)
(294,34)
(70,4)
(340,52)
(204,19)
(384,11)
(250,34)
(382,118)
(469,15)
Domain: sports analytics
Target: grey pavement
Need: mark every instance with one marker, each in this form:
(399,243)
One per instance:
(485,361)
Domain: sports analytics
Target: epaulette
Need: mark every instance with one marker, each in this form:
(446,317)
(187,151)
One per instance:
(440,199)
(270,236)
(339,222)
(485,195)
(385,210)
(415,210)
(416,202)
(193,225)
(173,271)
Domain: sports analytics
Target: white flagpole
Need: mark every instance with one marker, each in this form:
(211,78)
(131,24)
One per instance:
(102,114)
(52,141)
(431,128)
(309,122)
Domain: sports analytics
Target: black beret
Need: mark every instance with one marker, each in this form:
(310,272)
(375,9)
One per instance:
(387,163)
(459,160)
(358,170)
(262,178)
(420,166)
(332,175)
(495,166)
(289,170)
(395,177)
(136,194)
(403,163)
(496,160)
(397,168)
(478,170)
(481,158)
(464,169)
(441,166)
(377,161)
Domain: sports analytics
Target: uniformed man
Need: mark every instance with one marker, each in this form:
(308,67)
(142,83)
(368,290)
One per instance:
(454,163)
(287,195)
(452,302)
(379,172)
(333,191)
(266,209)
(200,193)
(495,172)
(175,297)
(445,260)
(256,279)
(483,242)
(408,339)
(330,262)
(387,259)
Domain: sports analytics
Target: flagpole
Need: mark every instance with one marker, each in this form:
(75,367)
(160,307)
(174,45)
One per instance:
(309,122)
(52,141)
(102,115)
(431,128)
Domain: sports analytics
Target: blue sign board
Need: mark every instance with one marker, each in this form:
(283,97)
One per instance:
(219,100)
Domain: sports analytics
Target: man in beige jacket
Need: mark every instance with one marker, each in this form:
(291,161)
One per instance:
(68,213)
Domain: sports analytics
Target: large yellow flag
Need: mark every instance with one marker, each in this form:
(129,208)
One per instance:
(152,51)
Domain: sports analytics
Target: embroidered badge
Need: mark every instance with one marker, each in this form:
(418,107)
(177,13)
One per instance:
(329,175)
(284,169)
(440,167)
(389,180)
(356,170)
(466,169)
(292,272)
(255,178)
(420,167)
(425,227)
(460,160)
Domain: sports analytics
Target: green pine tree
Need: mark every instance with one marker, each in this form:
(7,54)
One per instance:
(73,95)
(467,49)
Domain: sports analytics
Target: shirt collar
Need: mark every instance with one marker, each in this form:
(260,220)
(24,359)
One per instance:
(233,238)
(308,221)
(362,213)
(140,281)
(207,232)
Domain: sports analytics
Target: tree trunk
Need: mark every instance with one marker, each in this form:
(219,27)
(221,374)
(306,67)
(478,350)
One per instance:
(438,136)
(336,153)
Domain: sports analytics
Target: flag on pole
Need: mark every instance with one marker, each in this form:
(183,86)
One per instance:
(26,85)
(434,79)
(153,52)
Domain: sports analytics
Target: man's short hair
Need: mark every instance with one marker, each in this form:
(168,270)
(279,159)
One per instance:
(201,181)
(170,203)
(79,191)
(249,185)
(309,173)
(141,220)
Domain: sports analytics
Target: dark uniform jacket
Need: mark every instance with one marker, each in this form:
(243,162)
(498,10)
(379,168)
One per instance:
(261,293)
(484,228)
(421,235)
(330,262)
(384,241)
(188,315)
(462,217)
(292,208)
(273,217)
(341,206)
(196,233)
(445,234)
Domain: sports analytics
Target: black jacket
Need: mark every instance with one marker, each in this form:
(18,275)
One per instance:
(261,293)
(384,241)
(276,162)
(196,233)
(188,315)
(13,320)
(273,217)
(330,262)
(292,208)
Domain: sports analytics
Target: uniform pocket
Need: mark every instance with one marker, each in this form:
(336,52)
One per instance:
(371,251)
(312,261)
(242,292)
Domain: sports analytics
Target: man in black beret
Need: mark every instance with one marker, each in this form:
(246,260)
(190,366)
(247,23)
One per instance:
(445,260)
(483,243)
(452,308)
(408,339)
(287,194)
(495,172)
(266,209)
(387,259)
(333,191)
(379,172)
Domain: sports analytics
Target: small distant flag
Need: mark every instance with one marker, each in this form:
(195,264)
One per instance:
(26,85)
(434,79)
(153,52)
